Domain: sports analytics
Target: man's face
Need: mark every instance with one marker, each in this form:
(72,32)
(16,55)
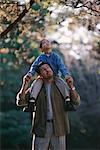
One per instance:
(46,72)
(46,45)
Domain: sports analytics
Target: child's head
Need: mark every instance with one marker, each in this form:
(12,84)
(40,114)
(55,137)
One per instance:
(45,46)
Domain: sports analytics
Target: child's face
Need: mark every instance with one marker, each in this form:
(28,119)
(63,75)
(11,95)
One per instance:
(46,46)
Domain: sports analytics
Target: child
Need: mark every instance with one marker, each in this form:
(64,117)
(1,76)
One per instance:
(53,60)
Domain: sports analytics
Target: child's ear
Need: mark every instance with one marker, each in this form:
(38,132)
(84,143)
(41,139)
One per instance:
(41,49)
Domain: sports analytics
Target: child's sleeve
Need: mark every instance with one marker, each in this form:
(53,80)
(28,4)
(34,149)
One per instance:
(33,66)
(62,68)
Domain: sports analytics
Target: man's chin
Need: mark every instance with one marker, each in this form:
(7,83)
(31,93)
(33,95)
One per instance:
(49,76)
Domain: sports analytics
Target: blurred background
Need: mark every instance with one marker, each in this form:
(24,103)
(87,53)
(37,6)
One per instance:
(73,26)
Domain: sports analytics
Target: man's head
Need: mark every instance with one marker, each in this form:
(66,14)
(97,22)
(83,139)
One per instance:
(45,46)
(44,70)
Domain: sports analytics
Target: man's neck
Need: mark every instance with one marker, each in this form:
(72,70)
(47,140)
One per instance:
(49,80)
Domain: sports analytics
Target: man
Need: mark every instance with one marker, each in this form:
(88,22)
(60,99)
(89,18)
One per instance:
(50,121)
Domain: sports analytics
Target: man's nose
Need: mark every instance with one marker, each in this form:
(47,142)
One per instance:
(49,71)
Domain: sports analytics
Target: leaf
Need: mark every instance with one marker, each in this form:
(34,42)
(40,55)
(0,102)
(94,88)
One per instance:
(36,6)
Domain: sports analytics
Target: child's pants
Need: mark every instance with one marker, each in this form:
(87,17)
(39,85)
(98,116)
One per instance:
(37,84)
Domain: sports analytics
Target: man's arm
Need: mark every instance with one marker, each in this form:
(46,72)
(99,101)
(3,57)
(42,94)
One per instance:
(26,80)
(74,96)
(28,77)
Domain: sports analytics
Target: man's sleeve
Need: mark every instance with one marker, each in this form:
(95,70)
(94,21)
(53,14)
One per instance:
(76,101)
(63,69)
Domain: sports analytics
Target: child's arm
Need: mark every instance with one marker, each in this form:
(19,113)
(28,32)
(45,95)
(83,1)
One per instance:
(34,65)
(61,66)
(65,72)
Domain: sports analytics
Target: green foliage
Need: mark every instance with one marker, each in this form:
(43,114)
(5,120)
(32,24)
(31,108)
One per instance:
(15,125)
(36,6)
(15,130)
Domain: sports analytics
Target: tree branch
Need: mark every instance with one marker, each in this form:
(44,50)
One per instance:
(83,5)
(9,28)
(75,4)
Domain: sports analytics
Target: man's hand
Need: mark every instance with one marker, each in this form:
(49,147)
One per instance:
(20,99)
(69,81)
(21,95)
(27,78)
(73,92)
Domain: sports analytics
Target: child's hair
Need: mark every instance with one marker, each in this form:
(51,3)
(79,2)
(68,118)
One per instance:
(41,42)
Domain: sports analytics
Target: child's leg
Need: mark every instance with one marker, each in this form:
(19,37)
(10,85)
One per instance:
(34,91)
(62,86)
(35,88)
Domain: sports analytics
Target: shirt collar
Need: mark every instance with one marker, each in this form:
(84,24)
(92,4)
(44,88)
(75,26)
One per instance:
(48,54)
